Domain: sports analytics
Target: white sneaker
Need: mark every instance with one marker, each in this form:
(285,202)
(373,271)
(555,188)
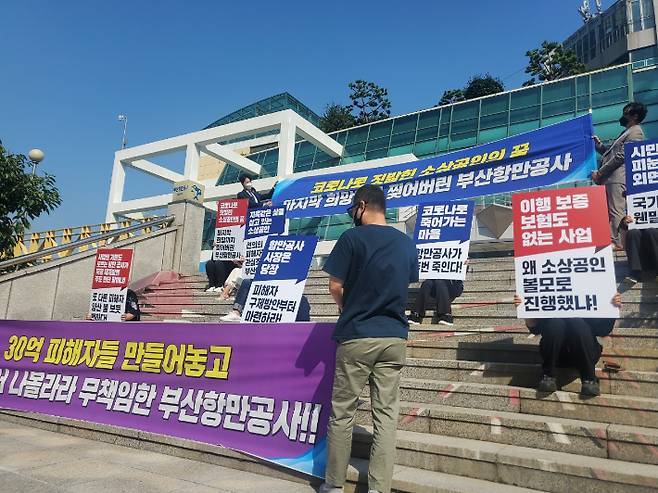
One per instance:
(630,280)
(232,316)
(326,488)
(210,290)
(218,289)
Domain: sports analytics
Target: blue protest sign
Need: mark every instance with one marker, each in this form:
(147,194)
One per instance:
(641,161)
(442,234)
(265,221)
(559,153)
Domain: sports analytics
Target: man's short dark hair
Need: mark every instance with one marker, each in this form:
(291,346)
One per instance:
(372,195)
(638,110)
(243,177)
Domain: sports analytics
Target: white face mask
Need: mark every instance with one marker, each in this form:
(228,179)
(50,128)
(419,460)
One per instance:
(248,186)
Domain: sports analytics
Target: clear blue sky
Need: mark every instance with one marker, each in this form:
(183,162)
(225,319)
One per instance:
(68,68)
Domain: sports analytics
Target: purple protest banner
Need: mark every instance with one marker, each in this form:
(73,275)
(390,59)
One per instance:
(261,389)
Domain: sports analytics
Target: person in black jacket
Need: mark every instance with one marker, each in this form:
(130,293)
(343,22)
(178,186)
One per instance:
(570,343)
(255,198)
(444,292)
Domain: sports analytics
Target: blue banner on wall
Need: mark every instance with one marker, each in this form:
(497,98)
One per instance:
(559,153)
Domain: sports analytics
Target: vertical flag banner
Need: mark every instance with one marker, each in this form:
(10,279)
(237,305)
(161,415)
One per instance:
(562,254)
(109,284)
(559,153)
(230,229)
(280,278)
(261,391)
(261,223)
(443,234)
(641,160)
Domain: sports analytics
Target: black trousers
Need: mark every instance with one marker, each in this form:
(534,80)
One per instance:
(571,342)
(218,271)
(437,290)
(642,249)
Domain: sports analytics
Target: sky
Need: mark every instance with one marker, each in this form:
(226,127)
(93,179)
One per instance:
(67,69)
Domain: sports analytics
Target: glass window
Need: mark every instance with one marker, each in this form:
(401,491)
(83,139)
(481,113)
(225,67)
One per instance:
(648,97)
(609,97)
(559,107)
(305,148)
(428,118)
(445,129)
(492,134)
(426,133)
(356,135)
(425,148)
(405,124)
(607,113)
(377,143)
(380,129)
(525,98)
(340,137)
(582,102)
(645,81)
(495,104)
(524,114)
(402,139)
(353,149)
(610,79)
(465,111)
(607,131)
(356,158)
(405,149)
(558,91)
(493,120)
(443,144)
(463,140)
(519,128)
(379,153)
(464,126)
(555,119)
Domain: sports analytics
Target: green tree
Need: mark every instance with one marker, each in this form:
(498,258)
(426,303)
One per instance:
(451,96)
(24,197)
(552,61)
(336,117)
(369,102)
(482,85)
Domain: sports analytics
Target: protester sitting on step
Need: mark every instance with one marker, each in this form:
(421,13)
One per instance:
(217,272)
(132,313)
(444,292)
(232,283)
(235,315)
(570,343)
(641,247)
(370,269)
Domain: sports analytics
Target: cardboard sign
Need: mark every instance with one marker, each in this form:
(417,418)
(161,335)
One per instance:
(563,257)
(641,161)
(109,285)
(280,278)
(261,223)
(443,233)
(230,229)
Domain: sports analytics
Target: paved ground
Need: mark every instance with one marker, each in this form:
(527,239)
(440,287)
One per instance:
(38,461)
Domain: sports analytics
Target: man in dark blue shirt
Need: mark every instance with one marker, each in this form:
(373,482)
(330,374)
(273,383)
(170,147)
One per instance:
(371,268)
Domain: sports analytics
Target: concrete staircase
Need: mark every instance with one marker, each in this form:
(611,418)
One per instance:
(470,419)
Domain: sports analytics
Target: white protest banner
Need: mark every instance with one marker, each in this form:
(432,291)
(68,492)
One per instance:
(641,161)
(109,285)
(230,229)
(261,223)
(443,233)
(280,278)
(563,256)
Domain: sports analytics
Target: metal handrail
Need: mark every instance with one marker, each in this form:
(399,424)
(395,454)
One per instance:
(30,257)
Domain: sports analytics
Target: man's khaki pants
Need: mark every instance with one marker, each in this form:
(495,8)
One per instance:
(377,361)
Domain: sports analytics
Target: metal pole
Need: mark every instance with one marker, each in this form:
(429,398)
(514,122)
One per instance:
(125,128)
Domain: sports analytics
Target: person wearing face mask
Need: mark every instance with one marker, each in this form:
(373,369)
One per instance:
(612,172)
(256,199)
(370,269)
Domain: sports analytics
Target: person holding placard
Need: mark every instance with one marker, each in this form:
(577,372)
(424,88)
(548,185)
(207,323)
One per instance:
(132,312)
(255,198)
(572,343)
(612,172)
(641,247)
(370,269)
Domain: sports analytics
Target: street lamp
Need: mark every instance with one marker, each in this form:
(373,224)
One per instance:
(124,119)
(36,156)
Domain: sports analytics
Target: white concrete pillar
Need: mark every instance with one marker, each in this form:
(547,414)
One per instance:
(116,189)
(286,146)
(192,156)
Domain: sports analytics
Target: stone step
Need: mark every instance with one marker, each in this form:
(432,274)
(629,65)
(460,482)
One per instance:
(619,442)
(629,358)
(632,383)
(607,408)
(558,472)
